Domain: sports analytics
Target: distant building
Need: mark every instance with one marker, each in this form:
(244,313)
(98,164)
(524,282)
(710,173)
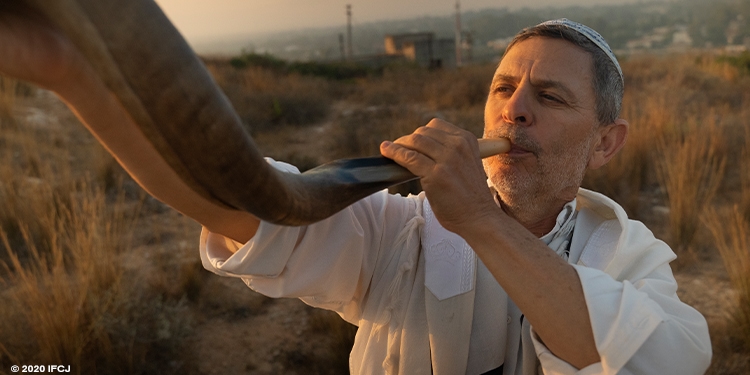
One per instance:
(734,29)
(675,38)
(735,48)
(422,48)
(681,38)
(500,44)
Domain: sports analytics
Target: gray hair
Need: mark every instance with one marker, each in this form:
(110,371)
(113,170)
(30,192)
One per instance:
(608,82)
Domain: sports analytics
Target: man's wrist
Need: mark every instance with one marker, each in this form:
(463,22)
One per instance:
(487,222)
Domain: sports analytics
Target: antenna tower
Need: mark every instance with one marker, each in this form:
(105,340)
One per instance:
(349,50)
(458,33)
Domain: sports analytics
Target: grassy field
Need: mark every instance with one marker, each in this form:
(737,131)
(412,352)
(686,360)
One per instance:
(99,276)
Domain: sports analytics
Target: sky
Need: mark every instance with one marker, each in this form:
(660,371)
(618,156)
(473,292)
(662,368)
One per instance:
(200,20)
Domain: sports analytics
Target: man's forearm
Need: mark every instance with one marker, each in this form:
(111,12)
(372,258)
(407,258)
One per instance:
(545,287)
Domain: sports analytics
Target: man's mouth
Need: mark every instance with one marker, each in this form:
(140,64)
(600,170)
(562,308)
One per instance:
(517,150)
(521,145)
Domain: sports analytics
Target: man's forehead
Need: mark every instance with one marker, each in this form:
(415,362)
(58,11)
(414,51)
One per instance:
(547,59)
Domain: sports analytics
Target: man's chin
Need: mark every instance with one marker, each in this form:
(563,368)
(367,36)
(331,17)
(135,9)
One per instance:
(513,188)
(517,202)
(510,173)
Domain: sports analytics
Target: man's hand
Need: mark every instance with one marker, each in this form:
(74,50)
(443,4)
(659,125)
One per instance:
(446,158)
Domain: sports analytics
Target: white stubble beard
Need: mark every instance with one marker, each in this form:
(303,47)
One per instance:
(529,195)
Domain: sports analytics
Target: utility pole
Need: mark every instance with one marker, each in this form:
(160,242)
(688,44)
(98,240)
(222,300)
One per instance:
(349,51)
(458,33)
(341,46)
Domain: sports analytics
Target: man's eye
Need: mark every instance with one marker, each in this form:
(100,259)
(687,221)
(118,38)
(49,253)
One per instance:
(502,89)
(550,98)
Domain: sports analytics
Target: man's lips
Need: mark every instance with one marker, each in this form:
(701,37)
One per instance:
(516,150)
(521,145)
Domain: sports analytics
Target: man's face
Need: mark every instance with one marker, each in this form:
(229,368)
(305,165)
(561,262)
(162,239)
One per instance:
(542,99)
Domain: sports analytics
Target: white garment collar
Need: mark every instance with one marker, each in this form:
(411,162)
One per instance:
(565,218)
(558,239)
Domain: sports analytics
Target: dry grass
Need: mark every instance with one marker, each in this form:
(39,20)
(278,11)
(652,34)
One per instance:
(462,88)
(666,98)
(625,177)
(68,297)
(632,171)
(68,286)
(744,172)
(730,229)
(691,168)
(390,88)
(67,234)
(26,193)
(10,90)
(731,233)
(359,132)
(266,99)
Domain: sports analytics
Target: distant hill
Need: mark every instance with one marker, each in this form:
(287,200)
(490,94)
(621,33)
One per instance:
(652,25)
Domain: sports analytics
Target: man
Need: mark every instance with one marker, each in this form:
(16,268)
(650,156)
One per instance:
(530,275)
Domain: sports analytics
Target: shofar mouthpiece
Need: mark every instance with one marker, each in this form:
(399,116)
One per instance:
(493,146)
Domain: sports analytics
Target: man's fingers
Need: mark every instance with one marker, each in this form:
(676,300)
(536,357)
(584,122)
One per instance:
(445,126)
(436,142)
(453,140)
(416,162)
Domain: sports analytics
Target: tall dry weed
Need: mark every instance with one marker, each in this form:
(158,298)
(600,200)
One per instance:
(265,99)
(666,98)
(690,167)
(461,88)
(10,92)
(649,108)
(626,176)
(32,176)
(397,86)
(68,298)
(65,288)
(359,132)
(731,233)
(744,173)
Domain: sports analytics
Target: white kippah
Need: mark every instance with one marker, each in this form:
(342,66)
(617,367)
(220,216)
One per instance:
(590,34)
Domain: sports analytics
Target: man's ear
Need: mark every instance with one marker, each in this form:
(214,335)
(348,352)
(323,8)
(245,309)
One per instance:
(611,139)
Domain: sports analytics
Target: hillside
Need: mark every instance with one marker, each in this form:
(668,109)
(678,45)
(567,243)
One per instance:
(653,25)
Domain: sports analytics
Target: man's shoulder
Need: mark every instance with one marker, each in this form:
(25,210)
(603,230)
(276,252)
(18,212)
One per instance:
(614,241)
(598,208)
(600,205)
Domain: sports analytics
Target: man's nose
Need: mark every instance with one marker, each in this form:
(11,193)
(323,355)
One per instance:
(517,108)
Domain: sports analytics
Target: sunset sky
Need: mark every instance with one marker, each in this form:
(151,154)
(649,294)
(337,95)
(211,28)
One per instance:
(206,19)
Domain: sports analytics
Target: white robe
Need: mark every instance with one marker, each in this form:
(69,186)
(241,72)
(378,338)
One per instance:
(368,263)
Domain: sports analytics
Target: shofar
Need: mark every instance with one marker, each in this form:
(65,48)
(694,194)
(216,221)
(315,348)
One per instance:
(168,92)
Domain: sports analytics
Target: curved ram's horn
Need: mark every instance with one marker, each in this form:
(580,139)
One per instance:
(156,76)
